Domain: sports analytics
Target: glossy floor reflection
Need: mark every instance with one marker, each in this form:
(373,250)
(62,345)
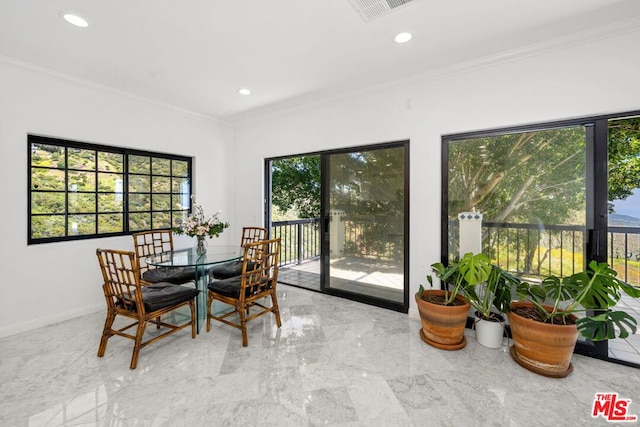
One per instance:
(333,362)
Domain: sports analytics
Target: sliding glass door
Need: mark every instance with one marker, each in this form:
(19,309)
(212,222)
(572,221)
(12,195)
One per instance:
(342,216)
(531,188)
(552,198)
(623,237)
(364,223)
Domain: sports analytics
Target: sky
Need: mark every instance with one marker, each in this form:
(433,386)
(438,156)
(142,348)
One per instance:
(630,206)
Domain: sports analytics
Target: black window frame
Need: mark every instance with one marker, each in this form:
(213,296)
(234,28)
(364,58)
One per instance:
(174,214)
(596,203)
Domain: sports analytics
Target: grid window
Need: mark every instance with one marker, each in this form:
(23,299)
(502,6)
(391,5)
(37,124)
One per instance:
(79,190)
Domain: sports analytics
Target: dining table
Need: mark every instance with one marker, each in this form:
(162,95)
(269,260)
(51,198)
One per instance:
(189,257)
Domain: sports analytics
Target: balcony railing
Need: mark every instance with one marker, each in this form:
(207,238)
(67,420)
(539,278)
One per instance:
(300,239)
(535,249)
(355,236)
(624,253)
(541,250)
(525,249)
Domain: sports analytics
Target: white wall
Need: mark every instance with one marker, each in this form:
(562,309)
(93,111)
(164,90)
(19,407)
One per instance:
(595,78)
(42,284)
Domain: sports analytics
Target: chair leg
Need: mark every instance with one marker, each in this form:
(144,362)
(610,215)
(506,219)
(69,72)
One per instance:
(209,301)
(276,309)
(192,306)
(243,326)
(138,343)
(106,333)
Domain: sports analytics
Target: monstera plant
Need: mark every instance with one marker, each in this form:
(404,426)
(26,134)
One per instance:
(583,303)
(490,296)
(444,311)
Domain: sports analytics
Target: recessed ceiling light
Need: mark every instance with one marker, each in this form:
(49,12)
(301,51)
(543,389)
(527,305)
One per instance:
(244,91)
(74,19)
(402,37)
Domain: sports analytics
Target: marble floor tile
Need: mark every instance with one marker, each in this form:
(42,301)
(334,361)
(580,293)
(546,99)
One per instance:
(333,362)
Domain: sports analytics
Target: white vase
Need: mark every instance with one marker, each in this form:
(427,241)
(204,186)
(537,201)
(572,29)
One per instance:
(489,333)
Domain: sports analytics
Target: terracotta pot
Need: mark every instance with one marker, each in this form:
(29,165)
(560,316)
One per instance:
(443,325)
(542,348)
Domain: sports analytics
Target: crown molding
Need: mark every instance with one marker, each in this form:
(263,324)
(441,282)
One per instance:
(310,101)
(36,69)
(318,99)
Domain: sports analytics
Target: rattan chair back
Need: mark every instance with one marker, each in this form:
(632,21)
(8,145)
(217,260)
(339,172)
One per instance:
(246,292)
(152,242)
(125,296)
(252,235)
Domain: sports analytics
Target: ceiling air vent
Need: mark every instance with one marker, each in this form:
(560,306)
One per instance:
(373,9)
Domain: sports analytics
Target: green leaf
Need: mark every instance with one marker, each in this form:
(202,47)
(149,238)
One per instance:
(603,326)
(630,290)
(475,268)
(533,292)
(558,289)
(595,288)
(502,289)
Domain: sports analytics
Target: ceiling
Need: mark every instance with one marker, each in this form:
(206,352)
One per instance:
(196,54)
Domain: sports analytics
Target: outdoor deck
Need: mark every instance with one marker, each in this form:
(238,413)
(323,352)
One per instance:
(359,278)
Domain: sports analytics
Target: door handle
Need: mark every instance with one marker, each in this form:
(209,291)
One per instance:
(595,237)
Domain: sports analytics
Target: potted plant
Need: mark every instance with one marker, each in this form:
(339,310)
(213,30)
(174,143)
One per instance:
(545,327)
(443,312)
(491,298)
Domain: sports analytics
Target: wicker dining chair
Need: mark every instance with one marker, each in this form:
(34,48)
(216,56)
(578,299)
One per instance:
(153,242)
(125,296)
(257,280)
(234,268)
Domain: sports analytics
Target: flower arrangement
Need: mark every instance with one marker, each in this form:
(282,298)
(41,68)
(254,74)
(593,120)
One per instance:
(197,224)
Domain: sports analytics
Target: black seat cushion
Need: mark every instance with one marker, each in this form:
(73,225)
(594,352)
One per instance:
(226,270)
(176,275)
(163,294)
(227,287)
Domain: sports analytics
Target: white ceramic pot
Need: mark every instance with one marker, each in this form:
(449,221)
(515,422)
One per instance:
(489,333)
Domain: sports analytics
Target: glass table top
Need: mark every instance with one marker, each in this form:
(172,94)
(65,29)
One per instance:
(188,257)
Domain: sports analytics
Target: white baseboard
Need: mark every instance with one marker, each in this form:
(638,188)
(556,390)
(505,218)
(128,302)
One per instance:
(7,331)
